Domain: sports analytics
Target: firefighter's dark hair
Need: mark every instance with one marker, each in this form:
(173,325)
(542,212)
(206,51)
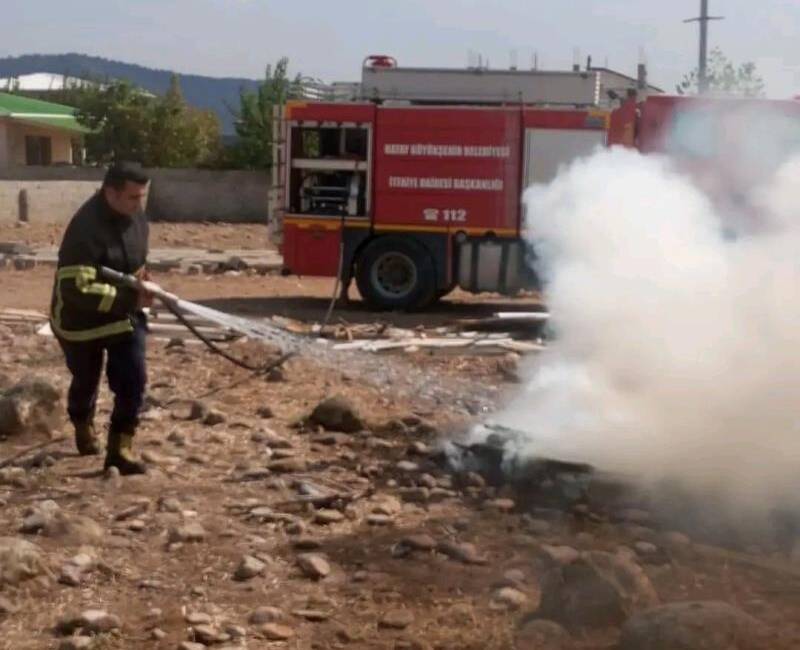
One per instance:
(122,172)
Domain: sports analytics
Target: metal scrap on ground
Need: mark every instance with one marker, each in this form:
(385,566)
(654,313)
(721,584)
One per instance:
(479,336)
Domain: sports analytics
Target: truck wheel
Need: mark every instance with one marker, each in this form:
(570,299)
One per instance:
(396,273)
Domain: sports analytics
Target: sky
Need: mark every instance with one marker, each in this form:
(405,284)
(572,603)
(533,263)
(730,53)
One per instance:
(328,39)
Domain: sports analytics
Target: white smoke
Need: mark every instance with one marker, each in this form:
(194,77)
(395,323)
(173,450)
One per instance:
(677,350)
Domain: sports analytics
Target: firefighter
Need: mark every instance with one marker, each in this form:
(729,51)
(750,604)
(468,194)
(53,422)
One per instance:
(93,319)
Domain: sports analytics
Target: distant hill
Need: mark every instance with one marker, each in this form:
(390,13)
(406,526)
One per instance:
(217,94)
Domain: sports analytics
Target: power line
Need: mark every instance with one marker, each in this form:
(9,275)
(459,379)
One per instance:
(703,19)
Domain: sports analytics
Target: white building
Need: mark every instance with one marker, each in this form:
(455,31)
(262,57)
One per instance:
(44,82)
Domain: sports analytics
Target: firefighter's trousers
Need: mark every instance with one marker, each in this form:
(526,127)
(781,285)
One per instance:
(125,370)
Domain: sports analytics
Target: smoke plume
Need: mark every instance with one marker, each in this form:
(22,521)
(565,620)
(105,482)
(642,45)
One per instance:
(676,349)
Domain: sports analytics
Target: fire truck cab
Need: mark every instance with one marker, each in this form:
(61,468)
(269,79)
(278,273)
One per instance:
(416,188)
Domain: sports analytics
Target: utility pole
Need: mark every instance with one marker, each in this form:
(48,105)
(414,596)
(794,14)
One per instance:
(702,75)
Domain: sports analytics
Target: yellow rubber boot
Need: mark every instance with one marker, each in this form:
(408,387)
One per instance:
(120,455)
(86,439)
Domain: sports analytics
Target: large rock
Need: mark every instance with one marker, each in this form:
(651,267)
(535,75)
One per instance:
(276,632)
(597,590)
(92,621)
(20,560)
(461,552)
(191,532)
(30,406)
(337,414)
(48,520)
(538,634)
(702,625)
(249,567)
(313,566)
(397,619)
(267,615)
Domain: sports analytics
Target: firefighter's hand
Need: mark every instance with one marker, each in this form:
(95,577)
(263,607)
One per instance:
(145,298)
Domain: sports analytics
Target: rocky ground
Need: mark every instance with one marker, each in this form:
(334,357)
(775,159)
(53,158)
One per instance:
(274,516)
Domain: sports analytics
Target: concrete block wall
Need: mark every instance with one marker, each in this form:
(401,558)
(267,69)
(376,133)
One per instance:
(48,201)
(186,195)
(176,195)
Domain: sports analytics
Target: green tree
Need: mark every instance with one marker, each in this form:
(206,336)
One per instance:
(129,124)
(119,116)
(180,136)
(253,149)
(725,78)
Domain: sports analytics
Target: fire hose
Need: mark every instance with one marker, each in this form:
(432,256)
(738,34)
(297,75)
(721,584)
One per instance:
(339,269)
(174,304)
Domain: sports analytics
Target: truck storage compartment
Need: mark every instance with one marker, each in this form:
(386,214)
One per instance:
(329,171)
(311,249)
(496,265)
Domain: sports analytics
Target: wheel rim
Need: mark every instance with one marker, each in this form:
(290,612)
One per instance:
(394,275)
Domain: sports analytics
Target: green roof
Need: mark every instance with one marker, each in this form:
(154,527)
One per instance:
(17,104)
(39,113)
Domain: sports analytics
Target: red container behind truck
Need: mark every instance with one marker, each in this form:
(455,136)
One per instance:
(727,146)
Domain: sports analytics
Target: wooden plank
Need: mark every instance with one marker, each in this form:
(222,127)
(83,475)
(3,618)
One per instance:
(440,342)
(522,315)
(21,319)
(23,312)
(493,341)
(523,347)
(187,337)
(385,346)
(353,346)
(22,316)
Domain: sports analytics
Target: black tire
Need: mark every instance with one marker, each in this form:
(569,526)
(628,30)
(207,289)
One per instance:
(396,273)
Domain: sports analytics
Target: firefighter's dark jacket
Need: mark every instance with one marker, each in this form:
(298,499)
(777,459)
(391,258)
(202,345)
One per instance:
(84,306)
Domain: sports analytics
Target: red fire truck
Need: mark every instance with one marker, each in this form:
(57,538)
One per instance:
(727,146)
(412,199)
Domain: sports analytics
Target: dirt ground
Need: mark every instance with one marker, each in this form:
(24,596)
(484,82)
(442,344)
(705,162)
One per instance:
(383,482)
(220,236)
